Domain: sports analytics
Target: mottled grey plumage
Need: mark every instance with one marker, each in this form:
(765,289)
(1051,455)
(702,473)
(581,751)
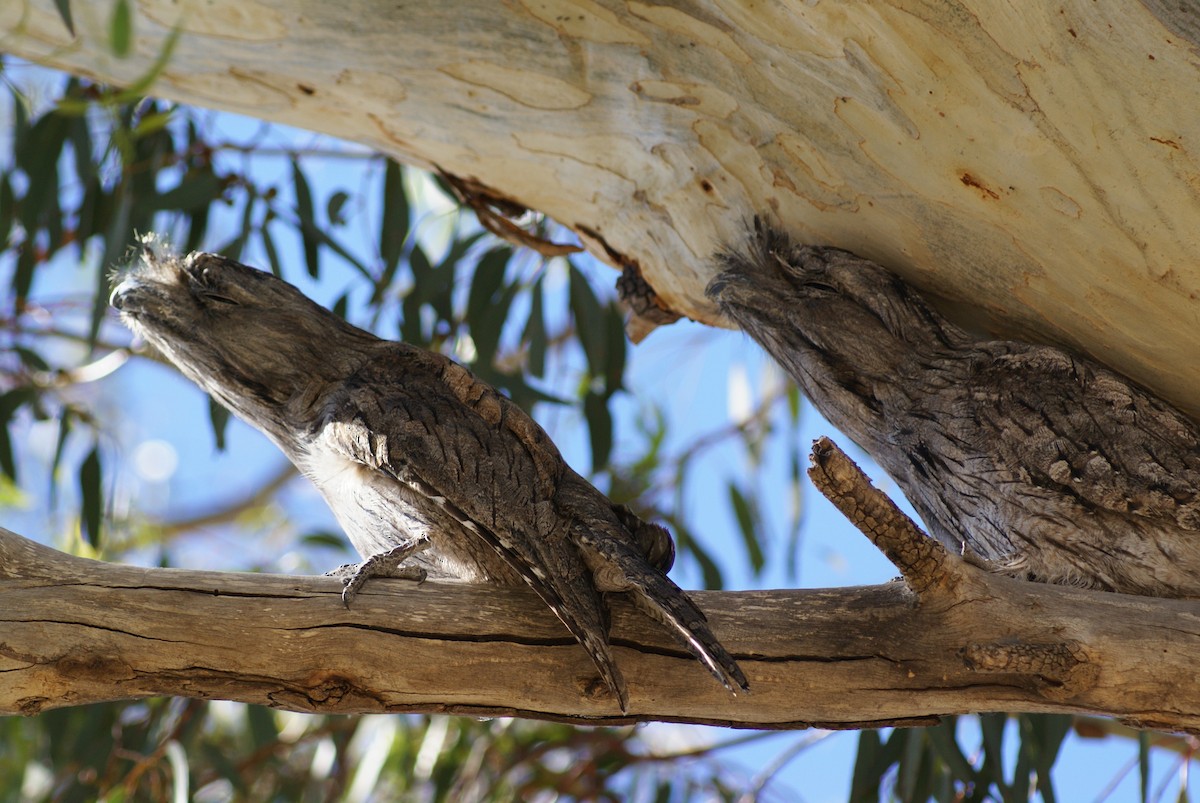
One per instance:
(412,452)
(1049,465)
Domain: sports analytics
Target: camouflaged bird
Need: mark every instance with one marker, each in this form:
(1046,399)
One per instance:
(428,469)
(1048,465)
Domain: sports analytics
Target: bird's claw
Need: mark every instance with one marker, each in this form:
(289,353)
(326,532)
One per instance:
(384,564)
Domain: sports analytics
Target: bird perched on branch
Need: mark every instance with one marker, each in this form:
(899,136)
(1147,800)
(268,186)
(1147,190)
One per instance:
(428,469)
(1048,465)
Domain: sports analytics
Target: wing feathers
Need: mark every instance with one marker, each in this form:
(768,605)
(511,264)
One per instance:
(508,506)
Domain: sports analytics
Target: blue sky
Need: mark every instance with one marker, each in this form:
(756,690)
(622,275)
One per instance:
(162,461)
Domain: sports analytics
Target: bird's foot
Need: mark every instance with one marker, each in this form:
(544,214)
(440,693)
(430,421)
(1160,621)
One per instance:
(384,564)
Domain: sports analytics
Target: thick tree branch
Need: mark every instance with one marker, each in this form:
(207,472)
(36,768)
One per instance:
(939,578)
(1019,158)
(75,631)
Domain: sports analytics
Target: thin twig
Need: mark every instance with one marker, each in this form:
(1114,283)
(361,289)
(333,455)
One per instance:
(231,509)
(780,761)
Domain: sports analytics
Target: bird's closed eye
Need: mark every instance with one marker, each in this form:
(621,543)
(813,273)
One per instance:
(215,297)
(205,288)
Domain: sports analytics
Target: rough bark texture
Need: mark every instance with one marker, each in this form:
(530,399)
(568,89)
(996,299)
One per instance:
(1049,466)
(1035,160)
(75,631)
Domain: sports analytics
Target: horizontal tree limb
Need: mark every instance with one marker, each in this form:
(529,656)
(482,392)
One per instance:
(76,631)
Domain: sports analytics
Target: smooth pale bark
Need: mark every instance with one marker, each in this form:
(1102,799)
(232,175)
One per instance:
(75,631)
(1034,162)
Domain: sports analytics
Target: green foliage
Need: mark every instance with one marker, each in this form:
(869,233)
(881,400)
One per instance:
(64,10)
(931,763)
(85,175)
(91,496)
(82,177)
(222,751)
(120,29)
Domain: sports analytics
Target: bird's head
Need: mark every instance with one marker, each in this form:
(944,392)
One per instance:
(836,305)
(253,341)
(850,333)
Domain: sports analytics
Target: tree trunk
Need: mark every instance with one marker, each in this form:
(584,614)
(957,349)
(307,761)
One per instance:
(1033,163)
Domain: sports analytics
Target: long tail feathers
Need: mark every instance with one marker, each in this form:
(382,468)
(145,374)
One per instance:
(600,652)
(587,619)
(661,599)
(624,569)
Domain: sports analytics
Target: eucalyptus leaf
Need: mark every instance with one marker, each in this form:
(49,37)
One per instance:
(746,512)
(64,11)
(534,334)
(120,29)
(600,429)
(92,497)
(589,322)
(333,208)
(218,417)
(868,769)
(309,238)
(272,252)
(393,228)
